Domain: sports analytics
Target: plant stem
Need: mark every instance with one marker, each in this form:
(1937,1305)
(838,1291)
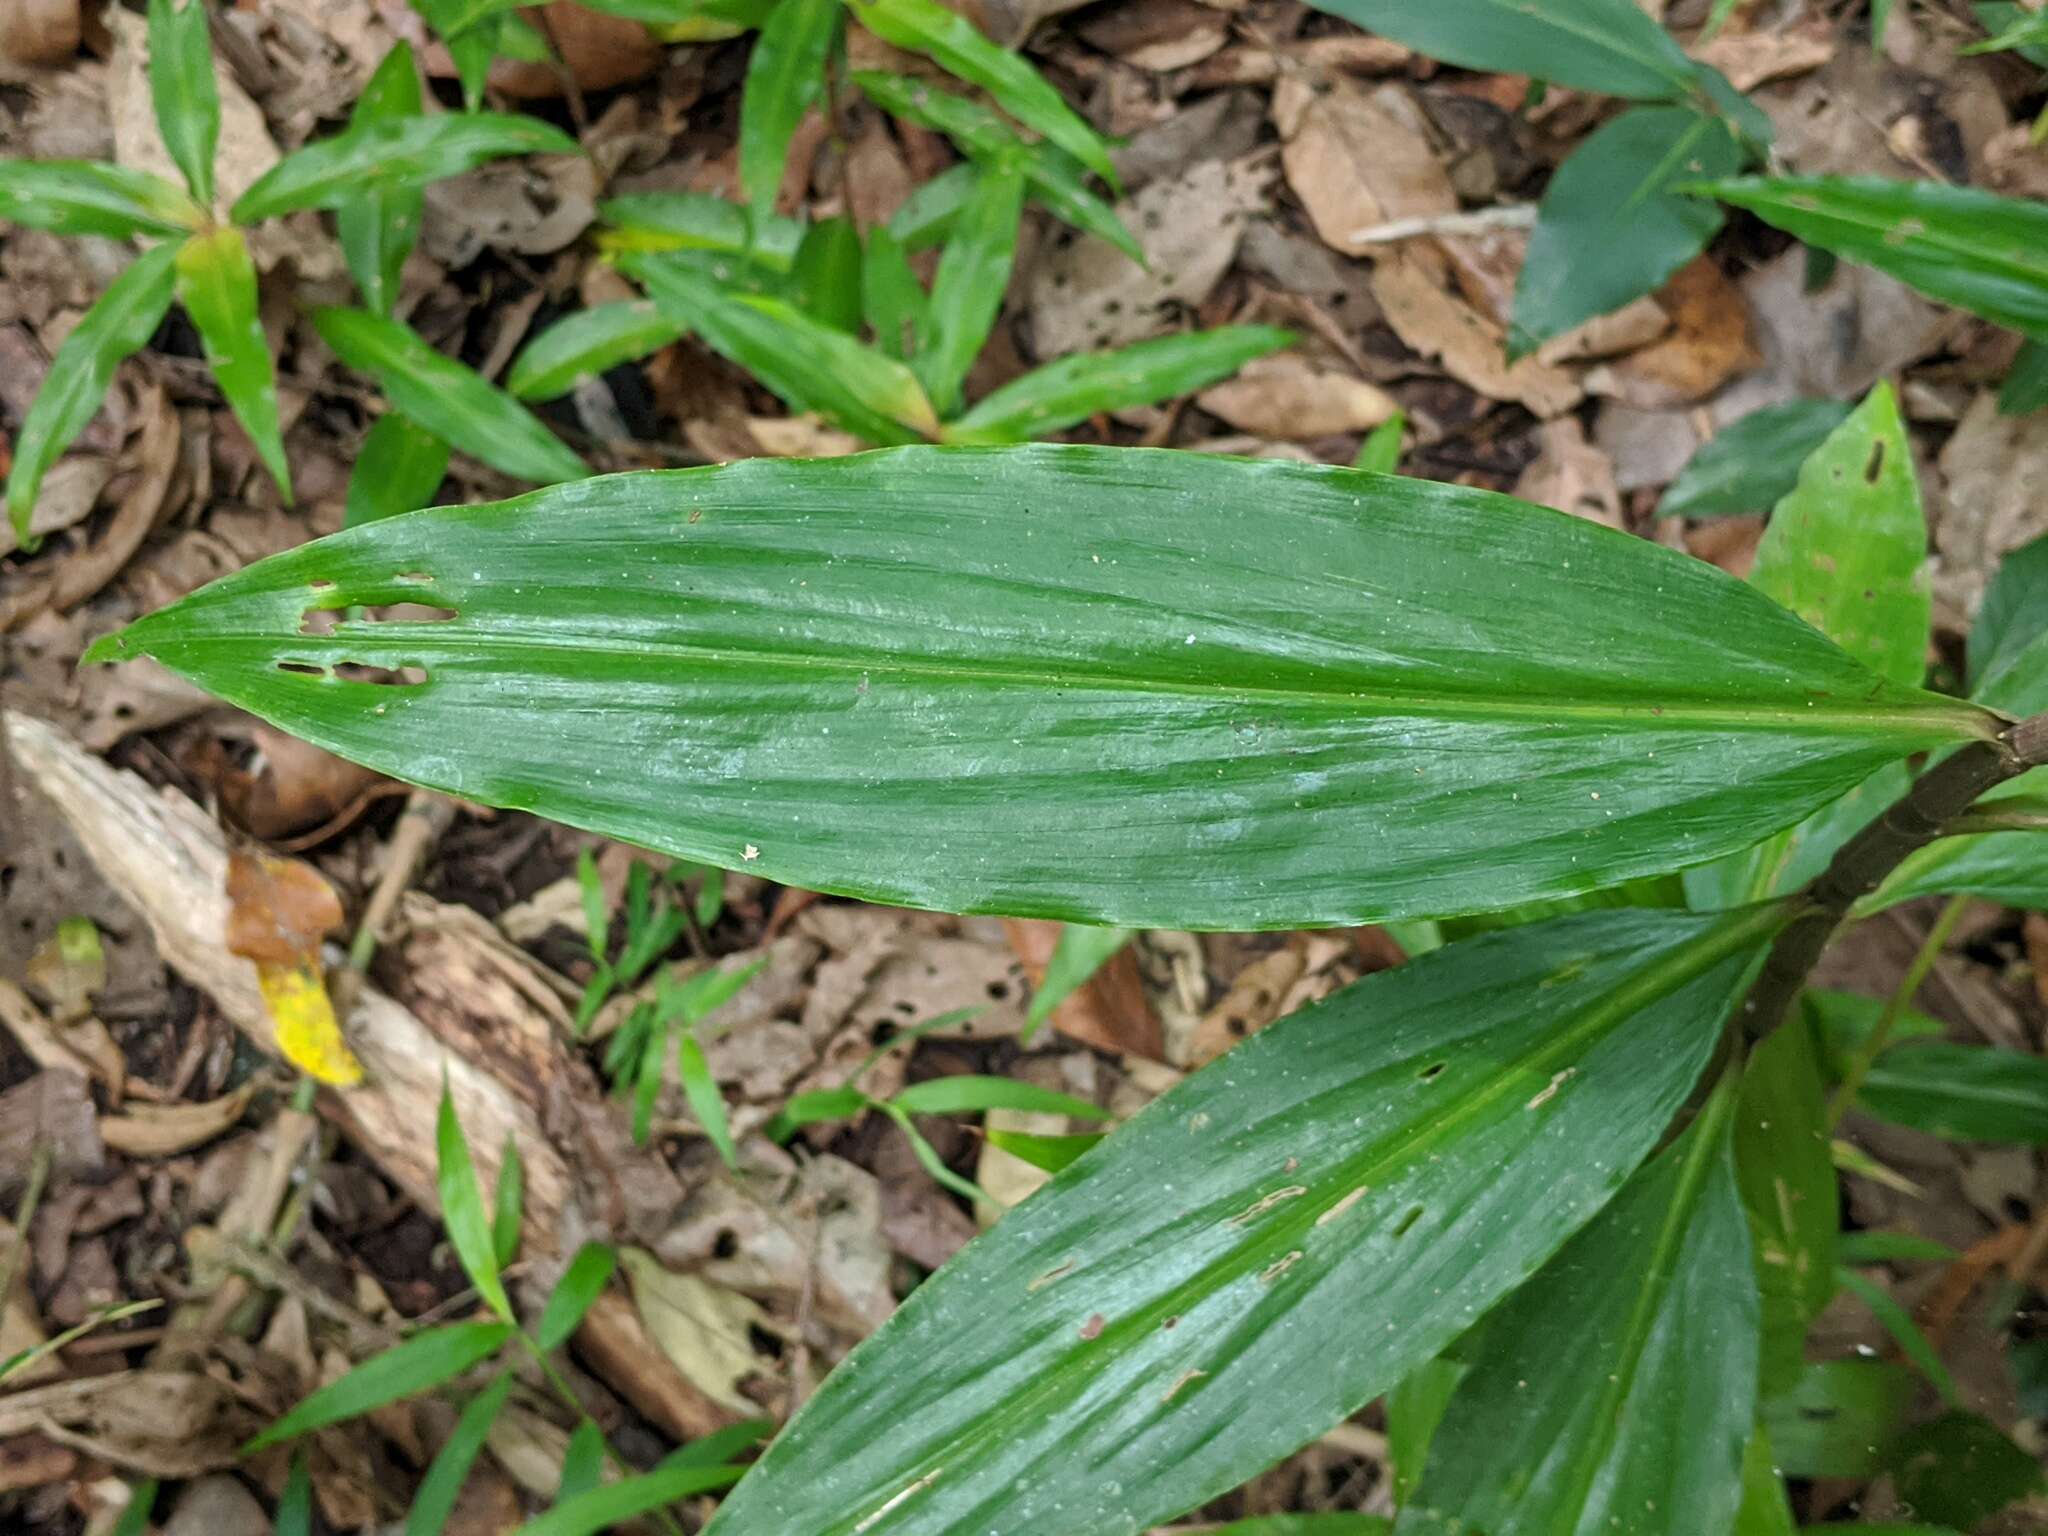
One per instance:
(1939,796)
(1894,1008)
(575,1405)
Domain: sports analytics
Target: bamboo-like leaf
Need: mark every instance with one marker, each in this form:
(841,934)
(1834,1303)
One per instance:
(1766,1508)
(454,402)
(1052,1153)
(969,1093)
(1414,1408)
(1978,251)
(295,1504)
(1838,1419)
(952,41)
(582,1462)
(589,1272)
(462,1209)
(1381,450)
(508,1204)
(398,469)
(217,286)
(85,197)
(442,1485)
(119,324)
(394,152)
(928,213)
(893,301)
(183,92)
(1898,1322)
(423,1362)
(1117,699)
(700,1088)
(697,221)
(612,1504)
(2001,17)
(973,275)
(1108,1352)
(1753,463)
(810,365)
(586,343)
(2029,30)
(1072,389)
(1962,1092)
(785,78)
(2008,655)
(1080,952)
(820,1104)
(825,278)
(474,50)
(1636,1415)
(2026,387)
(1612,227)
(134,1520)
(1961,1469)
(379,225)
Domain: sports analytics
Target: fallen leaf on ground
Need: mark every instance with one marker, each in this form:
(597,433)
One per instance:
(1288,397)
(802,436)
(703,1327)
(1749,59)
(1157,35)
(1709,344)
(279,911)
(1358,158)
(1990,502)
(1571,475)
(161,1130)
(599,53)
(1472,349)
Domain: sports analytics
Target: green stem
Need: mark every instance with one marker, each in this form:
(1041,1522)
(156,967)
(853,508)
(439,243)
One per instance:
(1894,1008)
(569,1398)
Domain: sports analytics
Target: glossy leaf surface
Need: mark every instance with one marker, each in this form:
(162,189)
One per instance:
(1962,1092)
(1072,682)
(183,92)
(1837,1419)
(1754,462)
(452,401)
(1636,1415)
(1086,1364)
(673,221)
(785,77)
(379,225)
(217,286)
(892,300)
(398,469)
(1962,1469)
(824,280)
(1612,227)
(584,344)
(118,325)
(1978,251)
(86,197)
(2008,656)
(394,152)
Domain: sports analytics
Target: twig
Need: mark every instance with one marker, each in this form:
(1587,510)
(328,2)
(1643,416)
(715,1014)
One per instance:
(38,1175)
(1476,221)
(1894,1007)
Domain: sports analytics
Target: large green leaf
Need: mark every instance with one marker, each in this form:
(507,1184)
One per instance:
(1962,1092)
(379,224)
(394,152)
(2008,657)
(118,325)
(1609,46)
(1155,1325)
(454,402)
(85,197)
(1981,252)
(217,286)
(1754,462)
(1072,682)
(1634,1415)
(967,291)
(183,92)
(785,77)
(1611,228)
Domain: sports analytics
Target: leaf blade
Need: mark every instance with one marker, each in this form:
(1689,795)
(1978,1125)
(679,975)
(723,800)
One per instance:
(379,227)
(589,1272)
(967,291)
(1753,464)
(217,286)
(462,1209)
(394,152)
(85,197)
(588,343)
(398,469)
(422,1362)
(442,1485)
(183,91)
(785,78)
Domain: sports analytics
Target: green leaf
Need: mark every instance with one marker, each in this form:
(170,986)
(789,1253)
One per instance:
(893,301)
(442,1485)
(825,279)
(582,1462)
(473,50)
(1051,1153)
(1898,1322)
(183,91)
(509,1206)
(1891,1247)
(928,213)
(451,17)
(1307,1525)
(706,1103)
(1766,1508)
(450,400)
(134,1520)
(217,286)
(1754,463)
(966,1093)
(809,365)
(740,14)
(815,1106)
(422,1362)
(120,323)
(1646,1401)
(1838,1417)
(967,292)
(2026,388)
(1415,1407)
(1611,227)
(379,225)
(1961,1470)
(1080,952)
(928,1158)
(1097,1347)
(462,1209)
(1381,450)
(785,78)
(1071,389)
(2028,30)
(85,197)
(295,1504)
(2000,17)
(1961,1092)
(2008,656)
(611,1504)
(399,468)
(953,42)
(1142,707)
(1980,252)
(589,1272)
(697,221)
(1787,1179)
(1608,46)
(394,152)
(586,344)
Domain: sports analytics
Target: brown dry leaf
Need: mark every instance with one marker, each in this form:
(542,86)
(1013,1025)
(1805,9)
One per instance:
(703,1327)
(1157,35)
(218,1505)
(1286,396)
(163,1130)
(295,786)
(1086,294)
(1749,59)
(1710,344)
(2015,164)
(614,1342)
(158,1423)
(32,1461)
(803,436)
(534,207)
(1109,1011)
(1259,64)
(67,496)
(1009,22)
(1853,116)
(1358,158)
(1572,475)
(1471,348)
(39,32)
(279,909)
(1634,325)
(43,1043)
(52,1111)
(1992,468)
(599,52)
(878,180)
(1252,1003)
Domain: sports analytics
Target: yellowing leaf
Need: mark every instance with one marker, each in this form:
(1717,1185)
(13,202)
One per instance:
(307,1031)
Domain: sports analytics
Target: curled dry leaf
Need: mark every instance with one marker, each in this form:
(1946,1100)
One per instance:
(279,911)
(1709,344)
(1750,59)
(163,1130)
(1358,158)
(294,787)
(1572,475)
(598,52)
(1158,35)
(703,1327)
(1109,1010)
(1288,397)
(1472,349)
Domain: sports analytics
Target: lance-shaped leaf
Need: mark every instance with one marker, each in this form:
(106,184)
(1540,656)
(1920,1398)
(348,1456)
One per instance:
(1753,463)
(379,225)
(398,469)
(2026,388)
(85,197)
(1072,682)
(394,152)
(785,76)
(454,402)
(967,291)
(696,221)
(1633,1414)
(1976,250)
(1155,1325)
(119,324)
(421,1363)
(586,343)
(217,286)
(824,280)
(893,301)
(183,91)
(1071,389)
(442,1485)
(1611,227)
(952,41)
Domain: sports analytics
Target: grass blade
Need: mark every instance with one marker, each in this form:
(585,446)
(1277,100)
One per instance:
(84,197)
(462,1208)
(442,1485)
(509,1206)
(217,286)
(394,152)
(399,468)
(973,275)
(589,1272)
(1080,952)
(422,1362)
(183,91)
(970,1093)
(379,226)
(614,1503)
(785,78)
(586,344)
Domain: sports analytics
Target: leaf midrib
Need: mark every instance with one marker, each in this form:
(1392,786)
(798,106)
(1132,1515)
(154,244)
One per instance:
(1927,235)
